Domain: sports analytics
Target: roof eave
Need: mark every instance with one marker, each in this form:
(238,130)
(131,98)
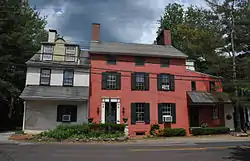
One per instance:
(134,54)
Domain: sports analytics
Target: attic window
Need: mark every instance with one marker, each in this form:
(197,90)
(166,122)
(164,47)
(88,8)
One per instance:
(47,52)
(139,61)
(165,62)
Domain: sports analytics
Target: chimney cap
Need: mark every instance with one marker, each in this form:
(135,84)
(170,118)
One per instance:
(96,24)
(52,30)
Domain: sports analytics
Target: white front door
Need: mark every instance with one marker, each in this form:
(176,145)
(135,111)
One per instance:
(115,110)
(228,115)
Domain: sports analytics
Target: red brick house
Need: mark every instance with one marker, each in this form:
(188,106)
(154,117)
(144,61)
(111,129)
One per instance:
(144,82)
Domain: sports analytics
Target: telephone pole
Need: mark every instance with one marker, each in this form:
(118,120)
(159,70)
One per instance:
(237,112)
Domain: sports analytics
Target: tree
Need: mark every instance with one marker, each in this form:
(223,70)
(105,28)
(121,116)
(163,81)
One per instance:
(194,34)
(21,31)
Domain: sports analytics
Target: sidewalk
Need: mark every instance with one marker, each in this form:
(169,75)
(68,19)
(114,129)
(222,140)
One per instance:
(190,140)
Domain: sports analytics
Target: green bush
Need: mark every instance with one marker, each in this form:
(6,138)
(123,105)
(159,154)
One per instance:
(63,132)
(153,128)
(210,131)
(169,132)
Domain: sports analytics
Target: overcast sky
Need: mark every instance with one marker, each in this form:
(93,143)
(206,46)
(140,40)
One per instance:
(121,20)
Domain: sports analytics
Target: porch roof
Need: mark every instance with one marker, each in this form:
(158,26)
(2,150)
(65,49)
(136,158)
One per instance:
(202,97)
(55,93)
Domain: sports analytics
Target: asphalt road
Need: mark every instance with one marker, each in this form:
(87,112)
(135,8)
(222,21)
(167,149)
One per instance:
(228,151)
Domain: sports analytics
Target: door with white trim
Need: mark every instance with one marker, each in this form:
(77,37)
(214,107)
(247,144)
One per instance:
(110,110)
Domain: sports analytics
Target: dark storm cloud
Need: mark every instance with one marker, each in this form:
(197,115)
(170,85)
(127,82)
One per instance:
(121,20)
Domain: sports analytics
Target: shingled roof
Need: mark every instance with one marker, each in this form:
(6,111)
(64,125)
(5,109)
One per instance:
(55,93)
(135,49)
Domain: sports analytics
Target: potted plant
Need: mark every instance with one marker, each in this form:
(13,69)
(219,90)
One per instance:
(90,119)
(125,120)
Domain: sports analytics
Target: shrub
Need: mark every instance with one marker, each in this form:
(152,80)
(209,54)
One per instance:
(153,128)
(169,132)
(63,132)
(210,131)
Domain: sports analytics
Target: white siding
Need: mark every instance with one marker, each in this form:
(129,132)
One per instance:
(56,77)
(81,78)
(42,115)
(33,76)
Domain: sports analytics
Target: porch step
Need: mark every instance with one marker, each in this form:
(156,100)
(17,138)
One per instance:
(239,134)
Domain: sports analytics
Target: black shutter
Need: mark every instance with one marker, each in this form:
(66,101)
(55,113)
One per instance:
(159,82)
(133,81)
(104,80)
(160,113)
(73,113)
(118,81)
(173,110)
(59,113)
(133,113)
(172,82)
(146,78)
(146,113)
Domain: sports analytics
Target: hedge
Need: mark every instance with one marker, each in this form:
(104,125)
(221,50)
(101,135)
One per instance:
(87,130)
(169,132)
(210,131)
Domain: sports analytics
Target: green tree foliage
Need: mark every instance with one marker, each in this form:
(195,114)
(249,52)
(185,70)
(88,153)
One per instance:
(200,32)
(193,33)
(21,31)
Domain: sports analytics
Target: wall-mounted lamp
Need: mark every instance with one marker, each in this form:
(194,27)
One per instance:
(98,110)
(123,111)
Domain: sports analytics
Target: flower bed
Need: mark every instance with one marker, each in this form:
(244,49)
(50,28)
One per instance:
(84,133)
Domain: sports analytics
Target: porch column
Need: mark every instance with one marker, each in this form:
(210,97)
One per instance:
(24,114)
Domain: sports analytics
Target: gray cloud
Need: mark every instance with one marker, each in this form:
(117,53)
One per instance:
(121,20)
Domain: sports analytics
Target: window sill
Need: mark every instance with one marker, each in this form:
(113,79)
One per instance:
(110,89)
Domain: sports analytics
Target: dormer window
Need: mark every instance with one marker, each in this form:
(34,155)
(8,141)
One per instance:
(70,53)
(47,52)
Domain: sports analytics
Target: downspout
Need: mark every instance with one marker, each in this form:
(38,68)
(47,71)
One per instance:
(24,114)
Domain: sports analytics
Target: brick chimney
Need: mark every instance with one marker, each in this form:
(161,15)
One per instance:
(95,31)
(52,35)
(164,38)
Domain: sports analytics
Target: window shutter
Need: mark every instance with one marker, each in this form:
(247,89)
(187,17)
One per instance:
(146,113)
(160,113)
(146,77)
(133,81)
(133,113)
(73,114)
(173,110)
(104,80)
(159,81)
(172,82)
(59,113)
(118,81)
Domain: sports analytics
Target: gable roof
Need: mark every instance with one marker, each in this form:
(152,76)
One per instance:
(135,49)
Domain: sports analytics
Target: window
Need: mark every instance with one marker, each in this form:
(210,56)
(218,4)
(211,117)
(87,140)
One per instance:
(111,59)
(212,86)
(45,77)
(165,62)
(68,77)
(215,113)
(66,113)
(139,61)
(193,85)
(166,109)
(111,80)
(140,113)
(47,52)
(166,82)
(70,53)
(140,81)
